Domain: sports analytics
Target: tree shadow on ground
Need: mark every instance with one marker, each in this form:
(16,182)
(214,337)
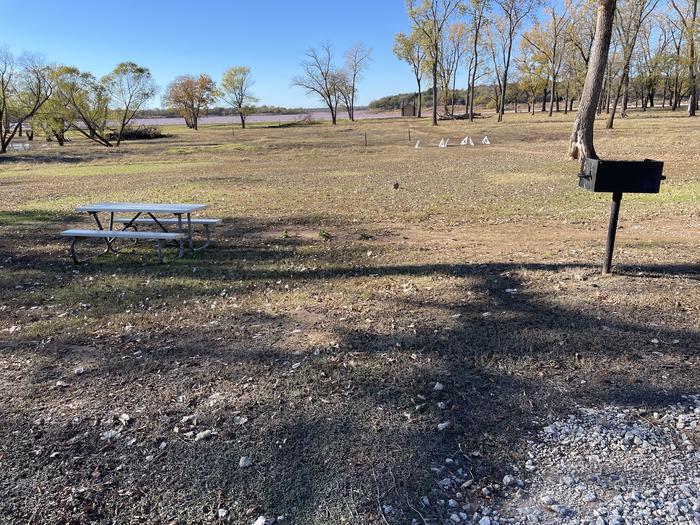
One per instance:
(338,426)
(690,271)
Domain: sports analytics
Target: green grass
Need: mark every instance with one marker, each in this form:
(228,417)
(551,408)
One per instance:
(94,169)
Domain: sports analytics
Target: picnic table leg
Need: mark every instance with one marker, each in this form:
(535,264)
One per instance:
(208,234)
(108,242)
(111,226)
(189,231)
(72,250)
(181,241)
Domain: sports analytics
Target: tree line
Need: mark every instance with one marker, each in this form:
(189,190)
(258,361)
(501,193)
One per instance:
(55,99)
(538,53)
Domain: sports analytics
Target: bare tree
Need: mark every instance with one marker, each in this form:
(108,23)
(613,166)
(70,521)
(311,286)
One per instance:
(493,48)
(653,60)
(629,22)
(675,33)
(581,142)
(129,86)
(356,59)
(409,49)
(688,16)
(235,90)
(430,18)
(475,10)
(579,35)
(550,42)
(534,74)
(581,30)
(452,49)
(320,77)
(25,85)
(512,15)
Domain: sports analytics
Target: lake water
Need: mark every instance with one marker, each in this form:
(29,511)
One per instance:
(265,117)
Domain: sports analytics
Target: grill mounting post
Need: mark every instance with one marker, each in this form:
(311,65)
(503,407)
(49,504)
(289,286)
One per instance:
(612,230)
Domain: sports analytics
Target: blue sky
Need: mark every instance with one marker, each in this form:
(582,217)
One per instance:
(177,37)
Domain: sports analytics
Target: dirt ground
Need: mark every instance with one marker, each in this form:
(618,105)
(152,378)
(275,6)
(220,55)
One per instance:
(309,338)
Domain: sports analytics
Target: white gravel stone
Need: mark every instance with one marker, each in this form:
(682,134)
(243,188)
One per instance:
(610,465)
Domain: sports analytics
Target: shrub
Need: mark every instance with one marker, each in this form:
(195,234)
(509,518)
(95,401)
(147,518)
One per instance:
(138,133)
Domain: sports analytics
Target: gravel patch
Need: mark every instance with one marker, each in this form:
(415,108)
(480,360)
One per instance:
(600,466)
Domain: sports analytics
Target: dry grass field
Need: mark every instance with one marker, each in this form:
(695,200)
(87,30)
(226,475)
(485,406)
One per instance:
(310,336)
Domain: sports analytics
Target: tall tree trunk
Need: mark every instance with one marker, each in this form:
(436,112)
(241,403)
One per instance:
(475,56)
(352,101)
(471,95)
(611,116)
(436,55)
(625,95)
(581,141)
(676,80)
(663,94)
(504,84)
(552,95)
(676,90)
(623,85)
(420,100)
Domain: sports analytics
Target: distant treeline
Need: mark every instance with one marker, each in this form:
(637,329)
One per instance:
(483,96)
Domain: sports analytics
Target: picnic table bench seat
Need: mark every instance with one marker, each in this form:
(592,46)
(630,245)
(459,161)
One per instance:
(206,222)
(127,220)
(159,237)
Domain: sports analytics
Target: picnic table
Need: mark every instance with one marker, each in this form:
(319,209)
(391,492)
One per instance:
(135,211)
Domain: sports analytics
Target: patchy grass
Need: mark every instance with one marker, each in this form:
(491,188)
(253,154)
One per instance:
(311,334)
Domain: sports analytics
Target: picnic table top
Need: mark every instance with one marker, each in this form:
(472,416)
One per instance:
(141,207)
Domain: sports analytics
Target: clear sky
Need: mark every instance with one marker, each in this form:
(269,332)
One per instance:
(177,37)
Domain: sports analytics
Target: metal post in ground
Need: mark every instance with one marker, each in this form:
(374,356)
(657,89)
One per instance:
(612,230)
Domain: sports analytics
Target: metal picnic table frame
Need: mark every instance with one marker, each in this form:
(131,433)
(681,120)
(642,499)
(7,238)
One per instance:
(149,209)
